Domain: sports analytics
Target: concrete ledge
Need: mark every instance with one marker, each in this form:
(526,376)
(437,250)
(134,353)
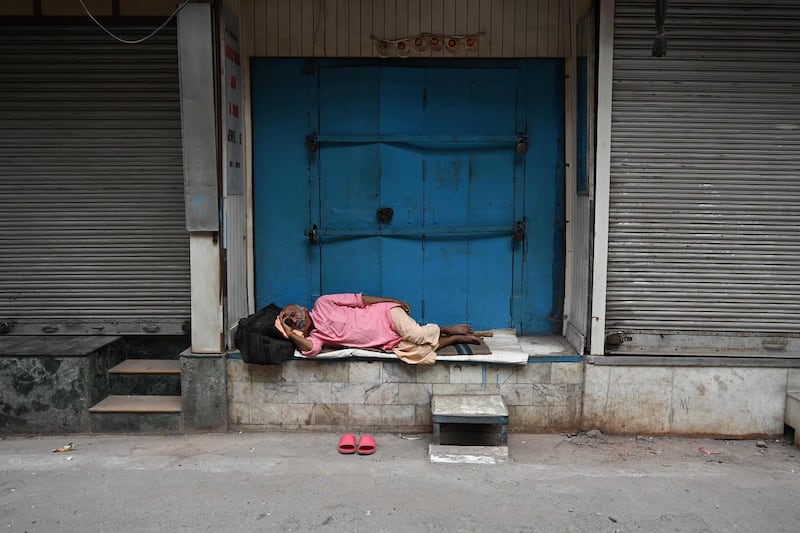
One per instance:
(792,416)
(204,387)
(53,346)
(732,402)
(660,360)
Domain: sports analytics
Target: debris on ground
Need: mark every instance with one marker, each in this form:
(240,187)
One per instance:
(412,437)
(66,448)
(707,452)
(594,433)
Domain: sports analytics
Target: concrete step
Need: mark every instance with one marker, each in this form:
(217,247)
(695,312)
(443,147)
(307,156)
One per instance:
(138,404)
(144,384)
(145,377)
(147,366)
(468,419)
(137,414)
(792,416)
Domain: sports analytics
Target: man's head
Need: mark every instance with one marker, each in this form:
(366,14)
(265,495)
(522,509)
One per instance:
(297,317)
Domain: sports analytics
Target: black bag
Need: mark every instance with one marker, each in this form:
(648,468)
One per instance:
(260,341)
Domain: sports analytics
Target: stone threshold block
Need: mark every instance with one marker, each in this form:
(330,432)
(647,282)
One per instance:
(472,455)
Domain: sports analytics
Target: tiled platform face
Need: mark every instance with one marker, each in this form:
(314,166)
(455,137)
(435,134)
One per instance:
(394,396)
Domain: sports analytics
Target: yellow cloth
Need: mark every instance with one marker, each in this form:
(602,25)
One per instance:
(419,343)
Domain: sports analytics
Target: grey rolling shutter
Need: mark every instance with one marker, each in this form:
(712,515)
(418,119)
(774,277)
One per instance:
(92,225)
(704,245)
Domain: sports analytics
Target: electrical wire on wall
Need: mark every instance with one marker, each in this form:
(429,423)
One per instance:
(136,41)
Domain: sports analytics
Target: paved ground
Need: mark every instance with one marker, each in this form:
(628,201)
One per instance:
(298,482)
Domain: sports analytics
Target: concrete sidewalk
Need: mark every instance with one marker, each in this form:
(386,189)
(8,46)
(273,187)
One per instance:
(298,482)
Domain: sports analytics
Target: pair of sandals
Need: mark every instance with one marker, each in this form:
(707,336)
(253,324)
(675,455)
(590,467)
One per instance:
(365,446)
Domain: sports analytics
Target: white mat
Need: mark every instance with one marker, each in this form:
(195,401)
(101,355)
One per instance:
(504,345)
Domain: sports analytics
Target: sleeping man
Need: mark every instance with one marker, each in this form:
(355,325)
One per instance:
(358,321)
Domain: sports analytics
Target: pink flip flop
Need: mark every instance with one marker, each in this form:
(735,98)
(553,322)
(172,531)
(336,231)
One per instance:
(347,443)
(366,445)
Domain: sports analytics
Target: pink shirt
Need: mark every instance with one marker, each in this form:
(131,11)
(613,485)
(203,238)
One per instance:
(343,320)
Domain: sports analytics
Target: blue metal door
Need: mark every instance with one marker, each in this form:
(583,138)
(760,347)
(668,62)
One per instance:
(417,173)
(409,183)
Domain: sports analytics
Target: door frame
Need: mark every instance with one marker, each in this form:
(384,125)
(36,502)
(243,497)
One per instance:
(540,296)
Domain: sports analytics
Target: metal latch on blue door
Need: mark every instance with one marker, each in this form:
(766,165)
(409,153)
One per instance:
(312,235)
(517,232)
(519,141)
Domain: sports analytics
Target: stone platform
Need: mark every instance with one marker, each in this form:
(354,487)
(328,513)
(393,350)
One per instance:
(48,383)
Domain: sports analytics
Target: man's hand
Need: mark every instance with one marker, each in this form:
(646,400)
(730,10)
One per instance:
(378,299)
(287,326)
(295,335)
(404,306)
(280,327)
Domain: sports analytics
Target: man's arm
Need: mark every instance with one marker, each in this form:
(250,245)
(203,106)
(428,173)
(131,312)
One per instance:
(378,299)
(302,343)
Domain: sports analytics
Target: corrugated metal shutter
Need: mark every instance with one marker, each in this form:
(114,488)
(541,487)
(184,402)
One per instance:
(92,226)
(704,245)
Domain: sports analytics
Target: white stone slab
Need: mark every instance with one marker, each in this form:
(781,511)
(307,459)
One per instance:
(544,345)
(472,455)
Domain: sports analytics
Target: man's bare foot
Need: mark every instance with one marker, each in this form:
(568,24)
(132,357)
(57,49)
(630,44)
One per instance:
(457,329)
(458,339)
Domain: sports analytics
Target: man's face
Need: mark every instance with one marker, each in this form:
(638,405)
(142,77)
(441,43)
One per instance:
(296,317)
